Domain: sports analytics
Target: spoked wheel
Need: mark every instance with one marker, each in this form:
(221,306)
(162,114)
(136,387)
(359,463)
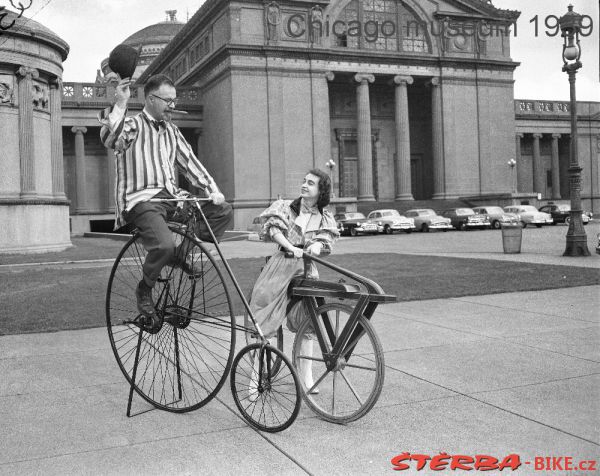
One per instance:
(268,400)
(181,363)
(351,384)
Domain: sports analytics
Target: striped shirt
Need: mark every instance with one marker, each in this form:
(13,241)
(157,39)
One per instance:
(146,152)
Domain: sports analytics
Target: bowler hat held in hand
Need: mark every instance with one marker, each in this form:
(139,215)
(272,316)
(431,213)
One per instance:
(123,60)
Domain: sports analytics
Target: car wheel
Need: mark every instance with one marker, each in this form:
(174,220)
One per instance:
(496,225)
(387,230)
(524,224)
(408,232)
(462,226)
(425,227)
(539,226)
(353,232)
(567,220)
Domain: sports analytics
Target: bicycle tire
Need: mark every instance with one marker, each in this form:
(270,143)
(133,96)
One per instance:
(185,363)
(272,402)
(363,375)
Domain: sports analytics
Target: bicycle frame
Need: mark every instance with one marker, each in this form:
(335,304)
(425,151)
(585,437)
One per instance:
(367,302)
(238,289)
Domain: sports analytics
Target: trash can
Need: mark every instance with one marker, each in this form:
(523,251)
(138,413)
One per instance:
(511,238)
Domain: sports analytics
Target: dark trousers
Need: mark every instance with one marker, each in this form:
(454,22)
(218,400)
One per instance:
(150,218)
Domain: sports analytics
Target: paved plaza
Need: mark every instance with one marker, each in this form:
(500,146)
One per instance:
(513,373)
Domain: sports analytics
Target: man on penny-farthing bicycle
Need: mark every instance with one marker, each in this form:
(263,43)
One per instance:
(147,146)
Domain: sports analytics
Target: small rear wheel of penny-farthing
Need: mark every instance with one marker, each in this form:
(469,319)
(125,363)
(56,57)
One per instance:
(180,362)
(268,400)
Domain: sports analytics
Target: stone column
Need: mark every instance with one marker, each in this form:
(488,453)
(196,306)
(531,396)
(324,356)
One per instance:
(403,184)
(321,125)
(520,171)
(80,168)
(26,151)
(538,177)
(555,168)
(437,139)
(111,178)
(58,175)
(365,151)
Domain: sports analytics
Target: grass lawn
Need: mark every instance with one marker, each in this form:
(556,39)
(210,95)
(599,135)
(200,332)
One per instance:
(55,299)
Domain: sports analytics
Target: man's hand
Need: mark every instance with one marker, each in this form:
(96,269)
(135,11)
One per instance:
(123,93)
(217,198)
(315,249)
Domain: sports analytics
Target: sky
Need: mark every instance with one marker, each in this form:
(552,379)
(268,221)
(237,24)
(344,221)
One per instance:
(93,28)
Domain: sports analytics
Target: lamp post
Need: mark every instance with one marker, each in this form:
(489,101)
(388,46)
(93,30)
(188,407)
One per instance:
(512,163)
(570,26)
(330,164)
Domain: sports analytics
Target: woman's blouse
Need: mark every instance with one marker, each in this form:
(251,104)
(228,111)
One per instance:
(303,229)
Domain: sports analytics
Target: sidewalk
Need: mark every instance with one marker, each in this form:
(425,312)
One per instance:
(495,375)
(514,373)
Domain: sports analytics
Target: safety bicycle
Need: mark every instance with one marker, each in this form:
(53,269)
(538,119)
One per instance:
(179,361)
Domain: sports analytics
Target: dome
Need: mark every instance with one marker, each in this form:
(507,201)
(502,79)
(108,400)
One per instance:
(162,32)
(31,29)
(150,41)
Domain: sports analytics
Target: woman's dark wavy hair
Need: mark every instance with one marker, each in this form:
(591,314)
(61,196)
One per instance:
(324,191)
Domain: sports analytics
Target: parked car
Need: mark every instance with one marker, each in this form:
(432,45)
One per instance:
(561,213)
(497,216)
(390,221)
(355,223)
(426,219)
(529,215)
(466,219)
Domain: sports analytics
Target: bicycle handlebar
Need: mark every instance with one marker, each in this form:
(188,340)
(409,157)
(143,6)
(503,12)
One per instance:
(184,199)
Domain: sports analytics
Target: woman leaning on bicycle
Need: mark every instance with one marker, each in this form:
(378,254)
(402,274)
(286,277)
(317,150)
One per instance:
(296,226)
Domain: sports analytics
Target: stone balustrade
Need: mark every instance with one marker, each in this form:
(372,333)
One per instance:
(96,95)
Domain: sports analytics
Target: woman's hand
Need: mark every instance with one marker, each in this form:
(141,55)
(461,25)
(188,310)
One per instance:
(315,249)
(298,252)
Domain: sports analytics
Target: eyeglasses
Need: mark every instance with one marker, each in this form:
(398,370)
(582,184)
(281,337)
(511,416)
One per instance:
(170,102)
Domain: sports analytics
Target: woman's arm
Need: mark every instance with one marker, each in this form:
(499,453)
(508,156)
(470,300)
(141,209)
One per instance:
(282,241)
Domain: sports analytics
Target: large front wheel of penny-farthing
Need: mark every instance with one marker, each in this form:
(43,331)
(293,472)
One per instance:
(268,400)
(347,387)
(181,362)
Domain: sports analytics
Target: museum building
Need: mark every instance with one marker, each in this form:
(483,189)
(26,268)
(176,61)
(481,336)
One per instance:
(408,102)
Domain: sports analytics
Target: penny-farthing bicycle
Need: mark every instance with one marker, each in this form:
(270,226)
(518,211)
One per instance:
(180,363)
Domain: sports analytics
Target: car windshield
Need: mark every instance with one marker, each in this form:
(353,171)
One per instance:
(564,208)
(491,210)
(390,213)
(425,213)
(350,216)
(464,211)
(528,208)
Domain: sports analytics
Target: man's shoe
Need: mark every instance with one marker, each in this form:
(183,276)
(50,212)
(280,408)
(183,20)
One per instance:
(145,303)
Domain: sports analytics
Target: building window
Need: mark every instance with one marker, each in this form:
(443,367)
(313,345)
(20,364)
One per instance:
(386,25)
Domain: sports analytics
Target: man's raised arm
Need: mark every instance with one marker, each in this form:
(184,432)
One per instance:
(117,131)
